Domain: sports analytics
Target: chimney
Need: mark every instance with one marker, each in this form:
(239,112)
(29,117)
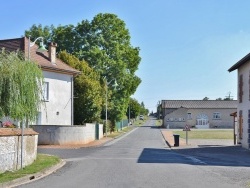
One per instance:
(52,52)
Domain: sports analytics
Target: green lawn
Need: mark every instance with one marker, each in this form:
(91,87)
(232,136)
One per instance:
(42,162)
(206,134)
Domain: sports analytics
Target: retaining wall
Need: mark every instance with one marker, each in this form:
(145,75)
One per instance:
(11,149)
(65,135)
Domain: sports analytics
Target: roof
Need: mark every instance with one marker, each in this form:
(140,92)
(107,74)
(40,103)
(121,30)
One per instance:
(42,58)
(240,63)
(219,104)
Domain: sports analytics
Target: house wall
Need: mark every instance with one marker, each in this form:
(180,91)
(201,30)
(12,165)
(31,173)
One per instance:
(65,135)
(58,106)
(180,119)
(244,106)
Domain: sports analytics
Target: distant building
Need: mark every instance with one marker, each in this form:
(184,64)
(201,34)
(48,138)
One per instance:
(243,109)
(198,113)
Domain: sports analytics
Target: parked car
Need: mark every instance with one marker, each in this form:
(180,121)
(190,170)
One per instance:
(141,117)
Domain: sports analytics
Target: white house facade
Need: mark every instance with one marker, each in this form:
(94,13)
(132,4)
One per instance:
(57,93)
(243,108)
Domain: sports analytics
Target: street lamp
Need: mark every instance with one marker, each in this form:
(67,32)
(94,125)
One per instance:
(41,46)
(106,102)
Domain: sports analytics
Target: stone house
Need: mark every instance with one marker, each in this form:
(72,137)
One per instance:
(198,113)
(58,77)
(243,108)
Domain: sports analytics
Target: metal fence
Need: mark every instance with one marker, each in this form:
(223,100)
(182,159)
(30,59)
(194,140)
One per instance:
(121,124)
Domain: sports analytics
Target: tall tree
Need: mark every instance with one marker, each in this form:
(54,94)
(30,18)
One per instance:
(111,54)
(87,91)
(105,44)
(20,87)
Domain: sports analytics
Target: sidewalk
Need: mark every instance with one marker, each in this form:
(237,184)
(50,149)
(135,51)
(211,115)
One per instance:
(193,143)
(94,143)
(169,138)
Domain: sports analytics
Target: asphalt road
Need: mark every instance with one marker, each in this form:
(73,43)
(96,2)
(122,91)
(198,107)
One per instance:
(141,159)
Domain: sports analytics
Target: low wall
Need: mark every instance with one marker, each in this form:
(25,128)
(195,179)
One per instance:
(65,135)
(10,144)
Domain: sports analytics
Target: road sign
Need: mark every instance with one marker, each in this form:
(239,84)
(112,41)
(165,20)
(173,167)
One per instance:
(186,128)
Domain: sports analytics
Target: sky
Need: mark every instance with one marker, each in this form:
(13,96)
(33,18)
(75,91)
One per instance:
(186,46)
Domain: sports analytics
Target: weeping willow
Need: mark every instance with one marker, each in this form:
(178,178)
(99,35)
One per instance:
(20,87)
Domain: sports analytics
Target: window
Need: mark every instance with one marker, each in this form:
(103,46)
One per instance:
(217,115)
(189,116)
(46,91)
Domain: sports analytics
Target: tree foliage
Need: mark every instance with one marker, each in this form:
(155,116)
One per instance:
(133,109)
(20,87)
(104,43)
(87,90)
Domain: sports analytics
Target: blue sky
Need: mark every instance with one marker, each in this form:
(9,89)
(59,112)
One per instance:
(187,46)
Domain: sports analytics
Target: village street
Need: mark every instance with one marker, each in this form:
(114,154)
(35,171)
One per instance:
(142,159)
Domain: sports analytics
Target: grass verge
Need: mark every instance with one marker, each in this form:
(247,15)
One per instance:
(206,134)
(42,162)
(123,131)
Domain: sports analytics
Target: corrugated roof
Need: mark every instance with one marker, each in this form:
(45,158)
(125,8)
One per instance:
(240,63)
(41,58)
(199,104)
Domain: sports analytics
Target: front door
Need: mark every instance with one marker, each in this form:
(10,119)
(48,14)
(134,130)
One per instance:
(202,121)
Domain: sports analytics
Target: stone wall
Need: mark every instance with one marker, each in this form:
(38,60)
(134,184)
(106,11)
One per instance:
(11,152)
(65,135)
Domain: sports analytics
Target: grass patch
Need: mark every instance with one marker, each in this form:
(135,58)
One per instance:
(42,162)
(158,122)
(123,131)
(206,134)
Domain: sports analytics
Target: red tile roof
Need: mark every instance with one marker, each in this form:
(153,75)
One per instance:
(219,104)
(42,58)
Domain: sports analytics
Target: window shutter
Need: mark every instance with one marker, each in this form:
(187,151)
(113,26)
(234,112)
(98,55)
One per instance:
(240,88)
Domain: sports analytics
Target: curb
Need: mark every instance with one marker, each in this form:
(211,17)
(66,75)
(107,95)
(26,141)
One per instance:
(165,140)
(33,177)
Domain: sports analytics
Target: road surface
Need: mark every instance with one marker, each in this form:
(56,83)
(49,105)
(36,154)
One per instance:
(141,159)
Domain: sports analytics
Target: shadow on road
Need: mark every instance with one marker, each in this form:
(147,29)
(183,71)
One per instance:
(234,156)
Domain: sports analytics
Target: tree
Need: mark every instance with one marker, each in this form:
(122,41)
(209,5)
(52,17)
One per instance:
(109,51)
(87,90)
(40,31)
(218,99)
(133,108)
(205,99)
(105,44)
(20,87)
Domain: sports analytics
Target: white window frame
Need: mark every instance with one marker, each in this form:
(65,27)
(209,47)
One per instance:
(216,115)
(45,91)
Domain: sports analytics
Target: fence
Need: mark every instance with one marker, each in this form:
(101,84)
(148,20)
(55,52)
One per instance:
(121,124)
